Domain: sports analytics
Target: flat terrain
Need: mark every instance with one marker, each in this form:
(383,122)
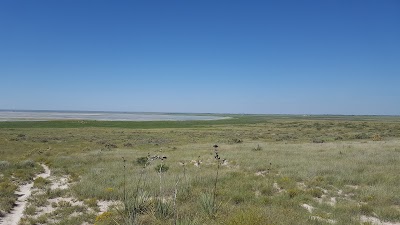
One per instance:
(266,170)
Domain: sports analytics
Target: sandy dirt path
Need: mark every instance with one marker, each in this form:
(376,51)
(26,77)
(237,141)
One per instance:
(24,192)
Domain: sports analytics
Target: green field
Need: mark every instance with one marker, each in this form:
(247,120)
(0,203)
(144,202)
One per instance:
(273,169)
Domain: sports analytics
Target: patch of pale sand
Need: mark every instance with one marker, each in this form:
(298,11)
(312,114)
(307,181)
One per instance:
(324,199)
(196,162)
(24,192)
(308,207)
(301,186)
(59,183)
(261,173)
(323,190)
(225,162)
(323,219)
(276,186)
(332,201)
(72,201)
(320,200)
(375,221)
(351,186)
(105,205)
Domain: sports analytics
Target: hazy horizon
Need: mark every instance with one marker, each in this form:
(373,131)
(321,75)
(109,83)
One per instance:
(214,113)
(259,57)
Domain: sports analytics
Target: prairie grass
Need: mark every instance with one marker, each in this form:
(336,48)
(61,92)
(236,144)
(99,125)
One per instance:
(344,167)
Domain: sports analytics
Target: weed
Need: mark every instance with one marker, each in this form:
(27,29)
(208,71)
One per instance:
(41,182)
(315,192)
(142,161)
(208,204)
(376,137)
(258,148)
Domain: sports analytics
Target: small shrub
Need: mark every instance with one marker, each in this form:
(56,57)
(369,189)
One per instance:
(27,164)
(293,192)
(128,145)
(377,137)
(104,218)
(315,192)
(207,202)
(110,146)
(267,190)
(64,204)
(338,138)
(317,140)
(361,136)
(4,165)
(366,209)
(40,182)
(91,202)
(163,209)
(247,217)
(286,182)
(237,140)
(7,188)
(142,161)
(30,210)
(237,199)
(161,168)
(39,200)
(258,148)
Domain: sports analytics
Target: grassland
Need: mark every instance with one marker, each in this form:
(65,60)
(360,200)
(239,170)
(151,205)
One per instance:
(272,170)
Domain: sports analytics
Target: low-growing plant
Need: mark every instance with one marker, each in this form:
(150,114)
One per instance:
(142,161)
(377,137)
(237,140)
(208,204)
(161,168)
(258,148)
(30,210)
(315,192)
(163,209)
(91,202)
(4,165)
(293,192)
(41,182)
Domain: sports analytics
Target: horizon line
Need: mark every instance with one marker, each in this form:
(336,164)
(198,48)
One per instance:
(159,112)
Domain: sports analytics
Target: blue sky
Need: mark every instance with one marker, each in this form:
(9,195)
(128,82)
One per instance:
(295,57)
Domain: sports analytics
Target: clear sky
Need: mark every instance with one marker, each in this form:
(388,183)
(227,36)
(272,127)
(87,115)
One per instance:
(224,56)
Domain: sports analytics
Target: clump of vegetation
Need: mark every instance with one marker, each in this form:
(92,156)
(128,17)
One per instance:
(7,197)
(258,148)
(315,192)
(361,136)
(4,165)
(244,191)
(161,168)
(41,182)
(377,137)
(142,161)
(237,140)
(318,140)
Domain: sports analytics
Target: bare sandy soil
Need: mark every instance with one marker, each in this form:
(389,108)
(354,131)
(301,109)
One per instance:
(24,192)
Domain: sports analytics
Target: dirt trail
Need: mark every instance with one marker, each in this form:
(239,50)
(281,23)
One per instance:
(24,192)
